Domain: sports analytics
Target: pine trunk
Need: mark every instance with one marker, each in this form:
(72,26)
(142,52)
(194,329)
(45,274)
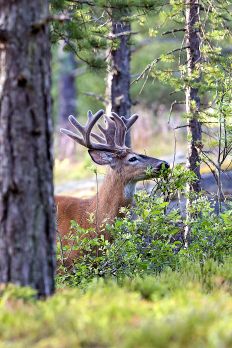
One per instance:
(118,77)
(192,97)
(194,133)
(67,101)
(27,225)
(67,87)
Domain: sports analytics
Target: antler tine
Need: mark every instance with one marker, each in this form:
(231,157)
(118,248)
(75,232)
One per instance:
(92,119)
(73,136)
(130,121)
(94,135)
(100,139)
(114,134)
(84,130)
(76,124)
(90,114)
(109,132)
(120,130)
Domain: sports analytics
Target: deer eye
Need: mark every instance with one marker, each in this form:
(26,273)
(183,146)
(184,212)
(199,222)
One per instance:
(133,159)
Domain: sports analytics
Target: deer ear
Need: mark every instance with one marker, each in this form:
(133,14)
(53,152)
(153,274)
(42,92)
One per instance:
(102,157)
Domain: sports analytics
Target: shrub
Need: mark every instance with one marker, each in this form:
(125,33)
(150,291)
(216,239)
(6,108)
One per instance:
(150,237)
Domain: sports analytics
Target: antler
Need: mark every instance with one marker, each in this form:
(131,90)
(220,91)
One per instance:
(114,134)
(84,130)
(123,126)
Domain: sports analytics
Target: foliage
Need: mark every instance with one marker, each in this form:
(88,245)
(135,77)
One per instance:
(150,237)
(189,308)
(87,28)
(211,234)
(145,288)
(157,47)
(211,77)
(87,34)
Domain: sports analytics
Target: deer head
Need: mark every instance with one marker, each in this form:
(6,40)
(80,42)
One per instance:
(110,149)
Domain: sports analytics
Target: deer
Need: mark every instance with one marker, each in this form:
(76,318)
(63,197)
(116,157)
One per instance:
(125,169)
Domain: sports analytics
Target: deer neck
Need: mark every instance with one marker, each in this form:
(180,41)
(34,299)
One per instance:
(113,194)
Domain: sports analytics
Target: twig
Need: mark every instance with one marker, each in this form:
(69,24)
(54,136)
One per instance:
(184,126)
(112,36)
(42,22)
(61,247)
(97,206)
(96,96)
(171,108)
(150,66)
(82,2)
(173,31)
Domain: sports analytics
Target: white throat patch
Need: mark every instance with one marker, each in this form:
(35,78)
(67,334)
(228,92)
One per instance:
(129,190)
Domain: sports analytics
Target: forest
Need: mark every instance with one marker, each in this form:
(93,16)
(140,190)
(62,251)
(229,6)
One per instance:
(116,173)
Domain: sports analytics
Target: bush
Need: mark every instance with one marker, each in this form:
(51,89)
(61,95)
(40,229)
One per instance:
(150,237)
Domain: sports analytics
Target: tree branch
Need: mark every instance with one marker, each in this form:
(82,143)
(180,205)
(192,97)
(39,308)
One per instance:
(96,96)
(173,31)
(124,33)
(150,66)
(41,23)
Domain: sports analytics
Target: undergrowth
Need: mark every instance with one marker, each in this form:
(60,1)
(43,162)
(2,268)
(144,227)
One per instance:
(191,307)
(150,237)
(145,289)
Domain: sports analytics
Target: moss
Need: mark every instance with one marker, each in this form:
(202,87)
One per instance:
(180,312)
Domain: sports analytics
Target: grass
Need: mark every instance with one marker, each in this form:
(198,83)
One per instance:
(189,308)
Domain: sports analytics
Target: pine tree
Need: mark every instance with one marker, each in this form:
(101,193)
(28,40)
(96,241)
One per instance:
(194,133)
(67,99)
(118,71)
(27,224)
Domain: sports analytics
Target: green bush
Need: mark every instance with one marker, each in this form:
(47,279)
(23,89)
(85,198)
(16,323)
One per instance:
(150,237)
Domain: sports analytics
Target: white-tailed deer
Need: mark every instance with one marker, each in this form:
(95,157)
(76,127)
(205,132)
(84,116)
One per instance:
(126,168)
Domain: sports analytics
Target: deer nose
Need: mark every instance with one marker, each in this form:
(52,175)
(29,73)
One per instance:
(163,165)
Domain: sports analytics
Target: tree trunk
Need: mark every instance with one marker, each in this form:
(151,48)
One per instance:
(67,87)
(27,224)
(194,133)
(192,97)
(67,101)
(118,77)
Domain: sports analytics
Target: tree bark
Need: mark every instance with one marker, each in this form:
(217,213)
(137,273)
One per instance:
(118,76)
(67,87)
(192,97)
(194,133)
(27,224)
(67,101)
